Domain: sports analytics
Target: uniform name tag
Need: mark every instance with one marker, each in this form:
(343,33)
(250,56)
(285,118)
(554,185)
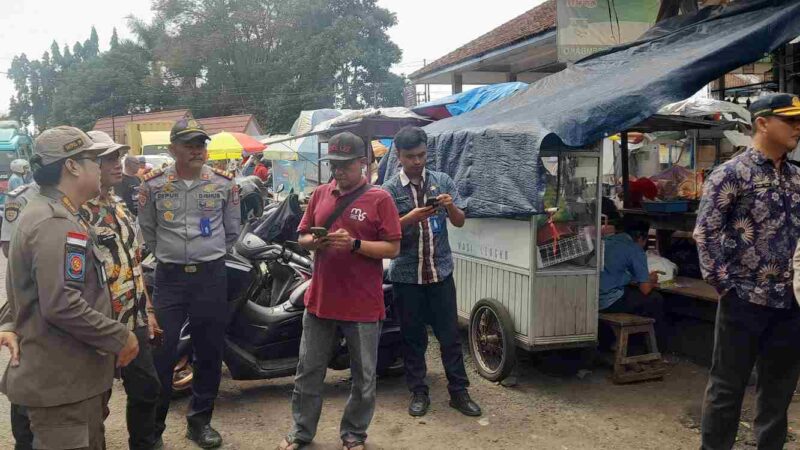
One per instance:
(205,227)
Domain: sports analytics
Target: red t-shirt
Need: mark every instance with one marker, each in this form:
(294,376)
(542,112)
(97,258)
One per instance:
(348,286)
(262,172)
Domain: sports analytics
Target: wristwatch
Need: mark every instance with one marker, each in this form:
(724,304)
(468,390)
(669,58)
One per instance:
(356,245)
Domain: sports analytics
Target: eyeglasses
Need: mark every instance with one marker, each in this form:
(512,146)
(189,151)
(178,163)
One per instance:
(89,158)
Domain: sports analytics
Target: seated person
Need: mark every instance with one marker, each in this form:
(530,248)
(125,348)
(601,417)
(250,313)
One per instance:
(625,284)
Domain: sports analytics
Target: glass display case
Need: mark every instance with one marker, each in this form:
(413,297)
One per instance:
(567,235)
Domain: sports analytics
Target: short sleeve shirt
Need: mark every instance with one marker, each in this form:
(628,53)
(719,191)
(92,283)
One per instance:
(345,285)
(625,262)
(425,255)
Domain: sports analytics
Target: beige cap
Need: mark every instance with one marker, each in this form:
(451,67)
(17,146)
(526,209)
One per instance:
(101,137)
(61,142)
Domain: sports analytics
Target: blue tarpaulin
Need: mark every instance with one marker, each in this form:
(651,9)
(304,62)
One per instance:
(457,104)
(492,152)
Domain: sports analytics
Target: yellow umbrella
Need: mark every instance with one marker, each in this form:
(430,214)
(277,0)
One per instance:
(227,145)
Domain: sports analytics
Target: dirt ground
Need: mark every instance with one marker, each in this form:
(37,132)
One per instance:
(541,411)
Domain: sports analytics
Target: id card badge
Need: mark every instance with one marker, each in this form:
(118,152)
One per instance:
(436,224)
(205,227)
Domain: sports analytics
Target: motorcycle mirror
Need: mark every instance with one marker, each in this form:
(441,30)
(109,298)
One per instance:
(281,188)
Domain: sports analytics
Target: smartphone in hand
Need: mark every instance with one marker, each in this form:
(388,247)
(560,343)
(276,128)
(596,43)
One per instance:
(431,201)
(319,232)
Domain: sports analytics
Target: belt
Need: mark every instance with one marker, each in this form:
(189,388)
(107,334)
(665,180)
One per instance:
(190,268)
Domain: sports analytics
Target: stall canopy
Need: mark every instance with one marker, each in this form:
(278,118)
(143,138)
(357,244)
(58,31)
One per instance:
(457,104)
(492,152)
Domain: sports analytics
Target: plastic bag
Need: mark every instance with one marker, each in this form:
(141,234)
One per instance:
(667,268)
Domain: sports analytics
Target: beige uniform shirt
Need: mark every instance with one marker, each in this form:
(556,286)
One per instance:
(59,307)
(172,214)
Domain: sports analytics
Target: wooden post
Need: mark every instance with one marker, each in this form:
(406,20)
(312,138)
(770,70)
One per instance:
(457,83)
(511,77)
(626,178)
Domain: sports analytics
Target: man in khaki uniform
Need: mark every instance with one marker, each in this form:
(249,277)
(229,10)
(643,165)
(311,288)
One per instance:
(60,331)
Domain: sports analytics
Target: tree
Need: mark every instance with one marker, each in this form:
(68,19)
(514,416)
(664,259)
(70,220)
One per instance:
(277,57)
(114,39)
(91,47)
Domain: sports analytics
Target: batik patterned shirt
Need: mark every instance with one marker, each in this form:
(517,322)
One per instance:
(747,229)
(119,249)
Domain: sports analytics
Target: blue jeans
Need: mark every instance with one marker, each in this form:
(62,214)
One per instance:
(316,350)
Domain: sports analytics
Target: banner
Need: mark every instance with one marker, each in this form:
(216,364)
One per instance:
(588,26)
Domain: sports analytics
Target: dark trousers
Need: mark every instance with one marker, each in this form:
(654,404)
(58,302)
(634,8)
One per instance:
(652,305)
(744,334)
(21,428)
(199,296)
(435,305)
(141,387)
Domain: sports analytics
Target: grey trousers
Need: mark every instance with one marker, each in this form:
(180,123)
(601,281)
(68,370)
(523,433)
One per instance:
(316,349)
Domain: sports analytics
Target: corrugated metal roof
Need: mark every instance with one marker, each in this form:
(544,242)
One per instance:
(233,124)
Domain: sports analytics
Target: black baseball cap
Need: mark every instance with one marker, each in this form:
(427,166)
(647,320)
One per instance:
(186,130)
(780,104)
(344,147)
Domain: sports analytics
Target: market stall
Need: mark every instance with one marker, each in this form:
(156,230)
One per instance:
(528,168)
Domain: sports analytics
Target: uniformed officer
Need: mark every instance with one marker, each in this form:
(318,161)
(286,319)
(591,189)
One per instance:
(16,201)
(189,215)
(59,330)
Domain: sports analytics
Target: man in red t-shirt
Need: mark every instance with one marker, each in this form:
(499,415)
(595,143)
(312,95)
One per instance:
(346,291)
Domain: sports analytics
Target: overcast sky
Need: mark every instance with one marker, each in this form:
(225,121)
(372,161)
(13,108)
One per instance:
(427,29)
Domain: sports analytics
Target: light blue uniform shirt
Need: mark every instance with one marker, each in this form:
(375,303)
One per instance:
(625,262)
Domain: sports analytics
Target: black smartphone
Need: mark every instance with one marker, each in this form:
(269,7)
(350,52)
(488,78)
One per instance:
(431,202)
(319,231)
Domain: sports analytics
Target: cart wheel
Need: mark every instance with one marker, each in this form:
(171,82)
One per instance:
(491,339)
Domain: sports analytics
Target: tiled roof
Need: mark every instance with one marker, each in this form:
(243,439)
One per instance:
(118,123)
(233,124)
(538,20)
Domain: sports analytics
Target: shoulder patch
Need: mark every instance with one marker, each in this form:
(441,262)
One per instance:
(12,211)
(223,173)
(153,174)
(18,190)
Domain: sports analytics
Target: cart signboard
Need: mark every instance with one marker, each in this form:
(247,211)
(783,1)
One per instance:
(502,241)
(588,26)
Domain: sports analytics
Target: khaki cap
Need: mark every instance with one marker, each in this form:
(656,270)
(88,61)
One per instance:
(62,142)
(101,137)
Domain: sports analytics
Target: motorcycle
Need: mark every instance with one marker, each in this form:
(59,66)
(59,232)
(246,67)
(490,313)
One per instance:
(267,281)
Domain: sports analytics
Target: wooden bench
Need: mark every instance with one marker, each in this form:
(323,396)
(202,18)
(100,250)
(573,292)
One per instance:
(628,369)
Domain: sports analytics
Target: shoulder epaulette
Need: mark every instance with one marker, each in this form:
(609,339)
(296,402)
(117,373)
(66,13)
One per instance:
(223,173)
(153,174)
(19,190)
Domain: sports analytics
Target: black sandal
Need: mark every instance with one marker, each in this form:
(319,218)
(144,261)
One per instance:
(292,443)
(349,445)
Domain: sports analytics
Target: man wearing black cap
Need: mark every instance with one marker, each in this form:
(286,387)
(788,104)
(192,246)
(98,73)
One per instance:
(747,231)
(352,227)
(189,215)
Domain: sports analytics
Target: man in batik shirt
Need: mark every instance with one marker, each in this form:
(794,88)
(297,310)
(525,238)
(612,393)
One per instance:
(119,249)
(747,230)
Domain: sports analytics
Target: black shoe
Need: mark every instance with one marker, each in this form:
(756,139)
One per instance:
(463,403)
(204,436)
(419,404)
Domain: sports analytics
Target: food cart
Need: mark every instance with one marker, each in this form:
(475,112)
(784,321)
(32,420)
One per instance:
(517,286)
